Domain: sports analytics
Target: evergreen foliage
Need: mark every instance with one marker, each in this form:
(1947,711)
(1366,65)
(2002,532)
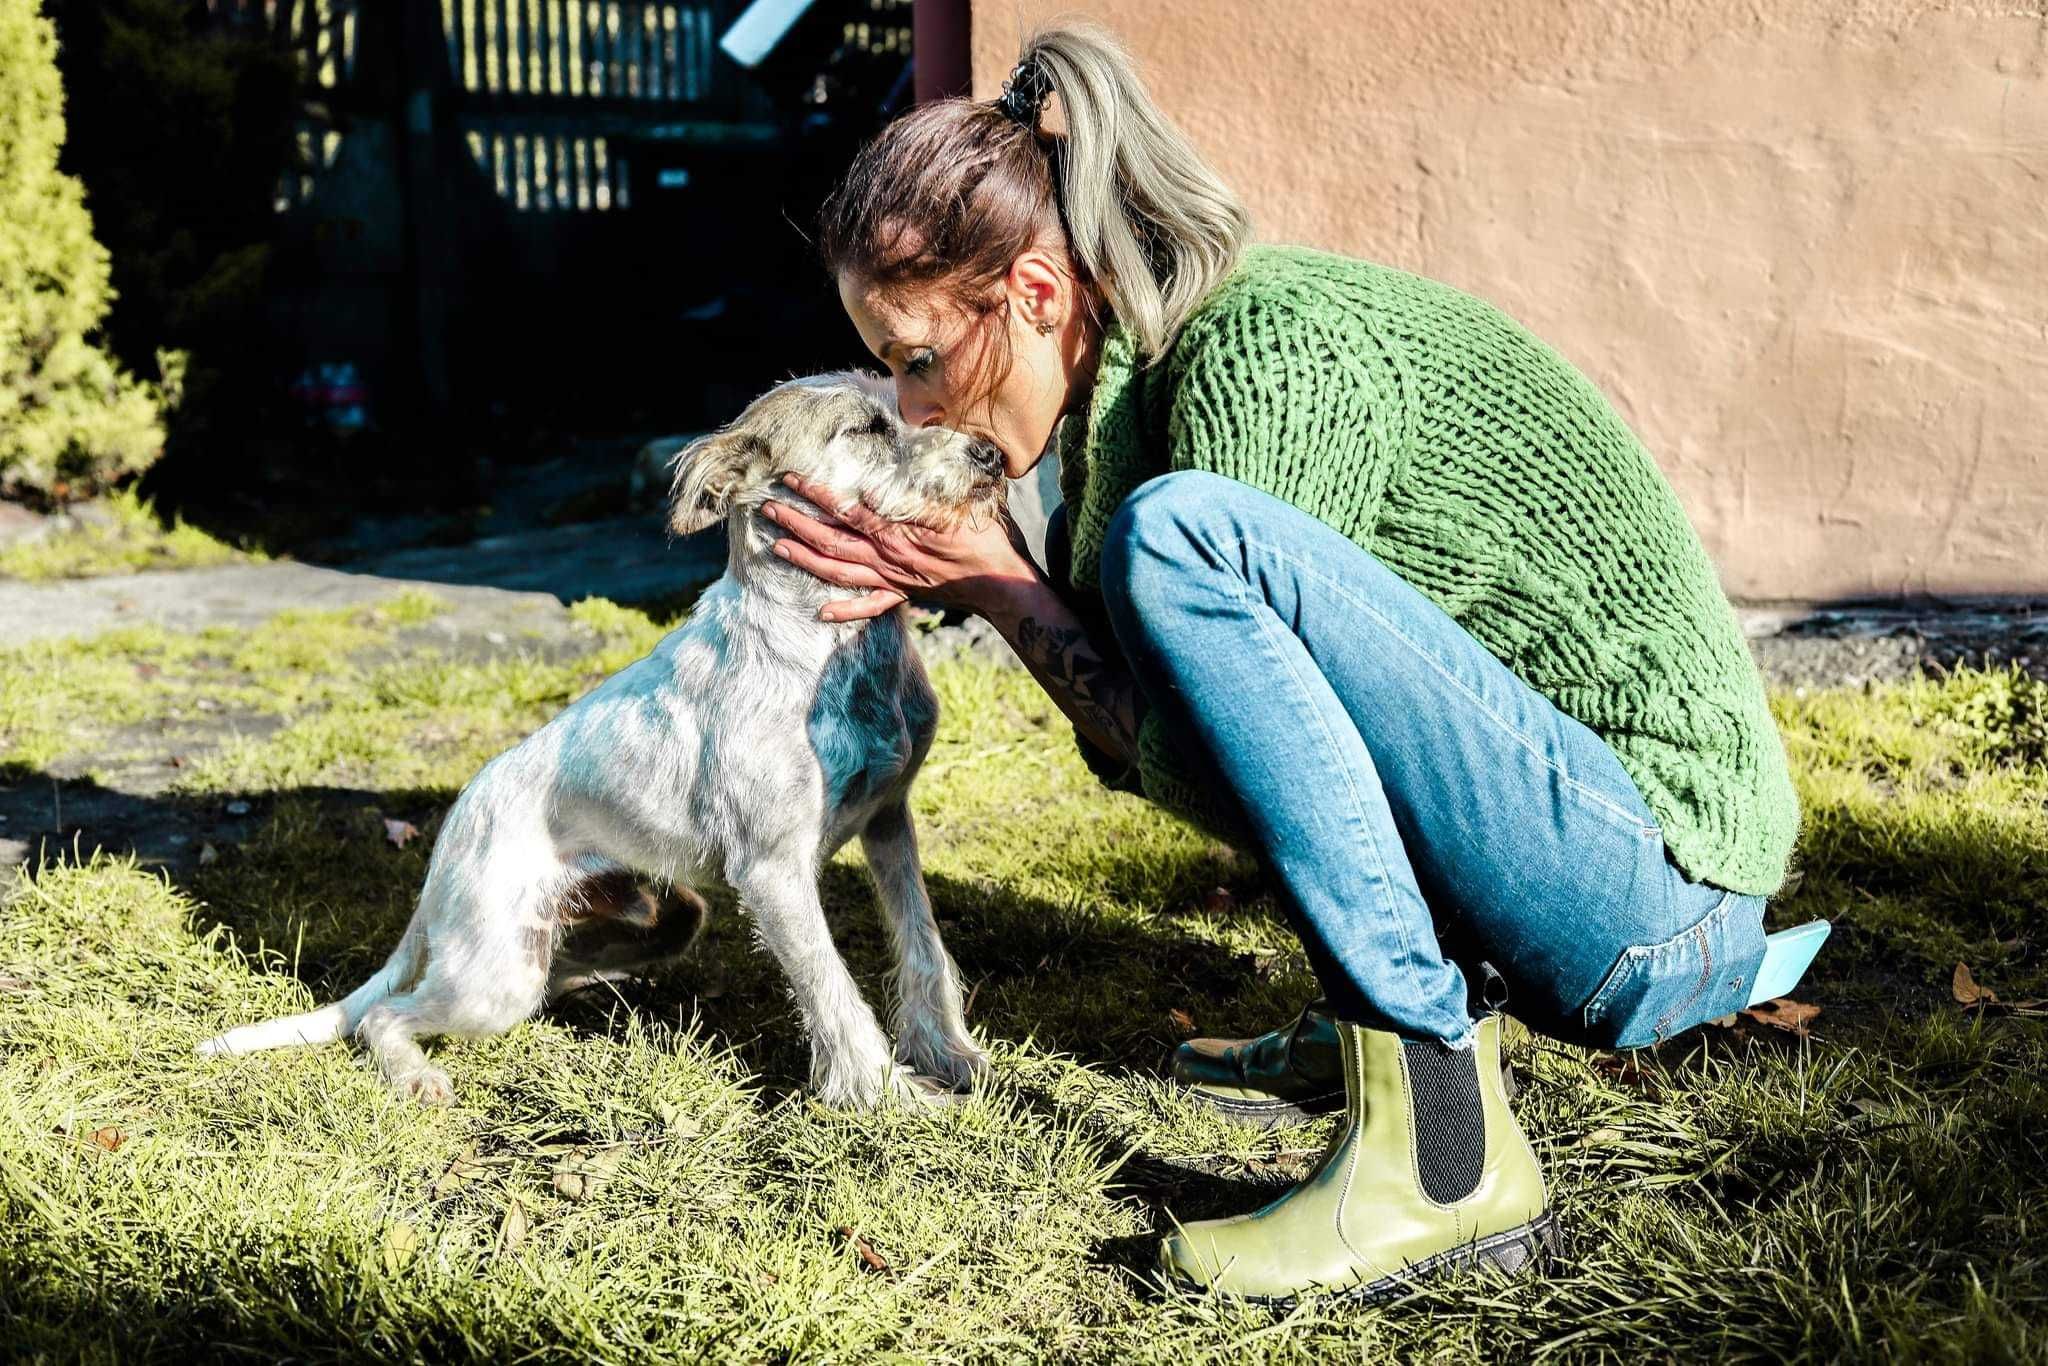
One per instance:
(69,415)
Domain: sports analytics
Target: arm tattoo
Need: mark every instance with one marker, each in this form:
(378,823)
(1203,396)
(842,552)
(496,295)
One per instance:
(1094,694)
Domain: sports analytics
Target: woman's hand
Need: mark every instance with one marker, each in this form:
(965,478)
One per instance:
(969,564)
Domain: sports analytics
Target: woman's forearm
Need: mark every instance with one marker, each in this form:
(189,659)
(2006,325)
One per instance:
(1096,695)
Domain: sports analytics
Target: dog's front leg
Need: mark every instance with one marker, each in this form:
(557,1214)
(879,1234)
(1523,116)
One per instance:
(851,1064)
(931,1025)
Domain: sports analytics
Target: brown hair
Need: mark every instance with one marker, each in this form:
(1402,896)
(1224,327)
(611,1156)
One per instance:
(948,195)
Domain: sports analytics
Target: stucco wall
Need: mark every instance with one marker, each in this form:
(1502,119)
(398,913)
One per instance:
(1802,244)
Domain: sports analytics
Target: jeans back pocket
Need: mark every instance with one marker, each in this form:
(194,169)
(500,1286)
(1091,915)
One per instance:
(1656,991)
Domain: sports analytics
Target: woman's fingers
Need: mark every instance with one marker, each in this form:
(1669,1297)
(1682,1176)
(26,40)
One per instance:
(865,606)
(837,542)
(850,512)
(831,568)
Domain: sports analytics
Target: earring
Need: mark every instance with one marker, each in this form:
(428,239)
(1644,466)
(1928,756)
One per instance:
(1045,328)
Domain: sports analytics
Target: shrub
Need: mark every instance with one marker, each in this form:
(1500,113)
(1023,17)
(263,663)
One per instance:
(68,414)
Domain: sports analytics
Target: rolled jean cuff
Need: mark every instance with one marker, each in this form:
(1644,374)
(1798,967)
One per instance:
(1705,971)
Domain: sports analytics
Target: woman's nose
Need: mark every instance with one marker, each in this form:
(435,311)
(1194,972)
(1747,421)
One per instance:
(920,412)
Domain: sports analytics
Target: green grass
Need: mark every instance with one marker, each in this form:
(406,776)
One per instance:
(130,537)
(635,1176)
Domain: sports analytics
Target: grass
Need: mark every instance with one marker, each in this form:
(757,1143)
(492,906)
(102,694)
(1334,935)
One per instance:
(121,535)
(635,1176)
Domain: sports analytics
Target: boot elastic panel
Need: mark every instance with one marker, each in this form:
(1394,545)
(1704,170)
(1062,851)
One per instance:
(1450,1125)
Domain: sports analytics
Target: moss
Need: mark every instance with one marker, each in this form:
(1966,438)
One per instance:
(124,536)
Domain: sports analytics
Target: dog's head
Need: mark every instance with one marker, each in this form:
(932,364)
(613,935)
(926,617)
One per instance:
(840,431)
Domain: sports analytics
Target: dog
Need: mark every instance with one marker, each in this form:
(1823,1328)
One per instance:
(751,744)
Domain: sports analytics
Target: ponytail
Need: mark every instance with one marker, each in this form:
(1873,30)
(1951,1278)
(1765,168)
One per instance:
(1146,217)
(951,193)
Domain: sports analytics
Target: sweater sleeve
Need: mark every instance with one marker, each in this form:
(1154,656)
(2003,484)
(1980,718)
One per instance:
(1301,401)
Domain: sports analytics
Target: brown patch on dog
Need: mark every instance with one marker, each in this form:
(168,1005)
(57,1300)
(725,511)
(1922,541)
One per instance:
(624,897)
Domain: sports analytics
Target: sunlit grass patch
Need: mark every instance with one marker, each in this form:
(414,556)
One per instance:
(68,696)
(125,537)
(637,1175)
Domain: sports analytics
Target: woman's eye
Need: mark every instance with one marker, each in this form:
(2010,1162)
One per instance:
(919,362)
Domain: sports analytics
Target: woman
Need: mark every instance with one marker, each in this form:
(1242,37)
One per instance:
(1353,570)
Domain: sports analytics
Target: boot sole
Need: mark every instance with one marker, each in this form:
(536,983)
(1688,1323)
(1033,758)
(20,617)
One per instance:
(1265,1114)
(1512,1253)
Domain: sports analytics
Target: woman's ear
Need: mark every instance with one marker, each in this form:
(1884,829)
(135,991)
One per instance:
(1039,292)
(710,473)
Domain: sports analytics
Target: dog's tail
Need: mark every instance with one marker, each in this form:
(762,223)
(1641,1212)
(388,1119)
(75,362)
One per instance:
(324,1025)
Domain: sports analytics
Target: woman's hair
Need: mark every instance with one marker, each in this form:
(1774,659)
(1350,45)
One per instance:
(948,195)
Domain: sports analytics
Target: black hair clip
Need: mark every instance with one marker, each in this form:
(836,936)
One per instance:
(1025,93)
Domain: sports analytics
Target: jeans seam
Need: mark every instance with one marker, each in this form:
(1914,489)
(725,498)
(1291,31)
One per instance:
(1699,988)
(1357,804)
(1593,795)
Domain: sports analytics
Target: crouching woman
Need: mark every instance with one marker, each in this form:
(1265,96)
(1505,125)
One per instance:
(1352,570)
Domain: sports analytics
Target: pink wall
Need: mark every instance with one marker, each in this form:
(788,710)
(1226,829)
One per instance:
(1804,246)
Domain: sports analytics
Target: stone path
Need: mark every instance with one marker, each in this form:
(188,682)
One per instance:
(626,559)
(245,595)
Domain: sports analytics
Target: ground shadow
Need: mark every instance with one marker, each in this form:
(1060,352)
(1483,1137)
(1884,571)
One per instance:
(317,883)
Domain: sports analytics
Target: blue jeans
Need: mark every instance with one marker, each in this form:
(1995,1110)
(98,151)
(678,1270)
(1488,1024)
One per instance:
(1417,802)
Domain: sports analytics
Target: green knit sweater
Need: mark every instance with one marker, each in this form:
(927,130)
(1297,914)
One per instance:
(1480,466)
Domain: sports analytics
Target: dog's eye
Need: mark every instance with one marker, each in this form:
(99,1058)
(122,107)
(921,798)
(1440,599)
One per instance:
(878,425)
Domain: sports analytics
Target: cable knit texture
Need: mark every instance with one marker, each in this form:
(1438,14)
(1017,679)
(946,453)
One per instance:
(1480,466)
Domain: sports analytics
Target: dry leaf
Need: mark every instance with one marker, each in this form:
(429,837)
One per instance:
(400,833)
(512,1229)
(580,1176)
(147,671)
(208,854)
(1966,991)
(1182,1021)
(10,985)
(1219,901)
(109,1138)
(870,1258)
(401,1240)
(463,1169)
(1784,1013)
(1600,1138)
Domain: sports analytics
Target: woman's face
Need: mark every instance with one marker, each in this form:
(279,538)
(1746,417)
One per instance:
(939,356)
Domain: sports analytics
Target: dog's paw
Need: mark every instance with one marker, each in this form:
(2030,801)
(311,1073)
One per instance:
(427,1085)
(952,1058)
(894,1086)
(910,1091)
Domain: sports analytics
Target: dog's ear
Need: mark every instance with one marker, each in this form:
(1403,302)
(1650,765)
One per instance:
(709,474)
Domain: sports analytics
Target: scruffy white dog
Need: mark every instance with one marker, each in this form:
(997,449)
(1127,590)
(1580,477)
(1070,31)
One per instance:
(749,746)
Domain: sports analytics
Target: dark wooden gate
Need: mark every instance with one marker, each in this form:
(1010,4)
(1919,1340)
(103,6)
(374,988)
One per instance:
(569,212)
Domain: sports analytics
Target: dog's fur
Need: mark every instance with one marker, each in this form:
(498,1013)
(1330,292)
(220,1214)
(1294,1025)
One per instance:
(751,744)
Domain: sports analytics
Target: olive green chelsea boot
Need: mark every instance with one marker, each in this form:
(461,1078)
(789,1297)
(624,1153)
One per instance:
(1428,1172)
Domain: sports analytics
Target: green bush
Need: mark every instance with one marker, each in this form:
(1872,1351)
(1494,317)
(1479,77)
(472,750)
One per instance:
(68,414)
